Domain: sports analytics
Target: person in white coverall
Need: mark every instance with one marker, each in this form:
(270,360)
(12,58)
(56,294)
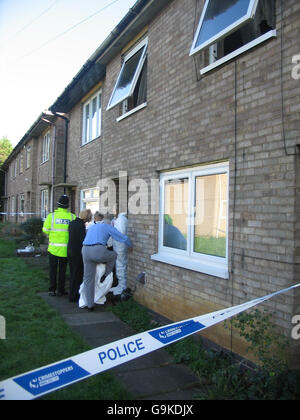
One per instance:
(121,224)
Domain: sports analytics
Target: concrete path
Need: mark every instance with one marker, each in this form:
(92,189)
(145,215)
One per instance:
(152,377)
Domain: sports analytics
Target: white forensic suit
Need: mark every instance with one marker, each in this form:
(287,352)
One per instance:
(121,224)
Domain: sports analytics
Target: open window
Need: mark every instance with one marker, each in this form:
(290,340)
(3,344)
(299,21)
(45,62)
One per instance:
(130,89)
(227,29)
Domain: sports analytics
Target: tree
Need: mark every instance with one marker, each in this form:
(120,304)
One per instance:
(5,149)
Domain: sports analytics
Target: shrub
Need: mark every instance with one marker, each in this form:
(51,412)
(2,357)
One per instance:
(33,232)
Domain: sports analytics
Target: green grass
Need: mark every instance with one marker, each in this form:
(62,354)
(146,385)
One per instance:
(7,248)
(36,335)
(210,245)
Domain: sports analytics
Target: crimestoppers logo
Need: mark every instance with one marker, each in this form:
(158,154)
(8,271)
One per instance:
(51,378)
(2,328)
(169,334)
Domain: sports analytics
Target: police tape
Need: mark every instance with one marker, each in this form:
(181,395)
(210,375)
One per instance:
(53,377)
(19,214)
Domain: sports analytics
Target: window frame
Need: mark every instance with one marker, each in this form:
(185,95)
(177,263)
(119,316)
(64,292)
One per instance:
(272,33)
(22,204)
(21,164)
(229,29)
(85,139)
(46,147)
(90,199)
(141,45)
(44,200)
(189,259)
(28,157)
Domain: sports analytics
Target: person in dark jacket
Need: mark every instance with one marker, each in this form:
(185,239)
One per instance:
(77,232)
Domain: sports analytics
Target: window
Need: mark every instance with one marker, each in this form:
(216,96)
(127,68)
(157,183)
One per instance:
(90,199)
(21,164)
(44,204)
(46,147)
(28,157)
(131,87)
(229,28)
(13,206)
(22,204)
(91,119)
(193,225)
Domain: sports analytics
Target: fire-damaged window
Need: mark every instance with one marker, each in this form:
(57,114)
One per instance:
(130,91)
(227,29)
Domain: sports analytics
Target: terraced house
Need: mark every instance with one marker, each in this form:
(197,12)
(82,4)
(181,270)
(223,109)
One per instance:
(191,109)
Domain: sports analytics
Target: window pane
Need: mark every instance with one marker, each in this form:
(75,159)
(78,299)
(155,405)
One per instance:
(99,116)
(126,78)
(87,124)
(220,15)
(176,213)
(211,215)
(94,119)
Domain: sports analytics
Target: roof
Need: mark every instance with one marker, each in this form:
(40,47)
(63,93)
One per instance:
(94,70)
(35,130)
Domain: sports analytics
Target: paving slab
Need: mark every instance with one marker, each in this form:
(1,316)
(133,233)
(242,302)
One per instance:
(161,380)
(151,377)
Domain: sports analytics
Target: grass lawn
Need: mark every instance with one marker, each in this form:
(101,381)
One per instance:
(210,246)
(35,333)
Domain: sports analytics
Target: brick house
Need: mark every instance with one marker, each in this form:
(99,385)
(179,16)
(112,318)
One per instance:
(190,107)
(32,169)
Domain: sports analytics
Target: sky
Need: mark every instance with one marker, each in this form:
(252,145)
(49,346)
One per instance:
(43,45)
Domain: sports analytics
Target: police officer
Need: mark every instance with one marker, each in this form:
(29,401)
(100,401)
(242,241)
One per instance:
(57,227)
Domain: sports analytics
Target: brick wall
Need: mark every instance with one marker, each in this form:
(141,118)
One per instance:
(233,113)
(246,113)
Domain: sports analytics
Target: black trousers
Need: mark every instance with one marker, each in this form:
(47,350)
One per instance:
(76,270)
(57,265)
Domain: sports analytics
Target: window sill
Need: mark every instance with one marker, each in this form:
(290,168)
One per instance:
(254,43)
(133,111)
(90,141)
(212,269)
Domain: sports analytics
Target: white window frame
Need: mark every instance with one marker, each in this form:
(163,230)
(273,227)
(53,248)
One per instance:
(28,157)
(208,264)
(22,206)
(13,205)
(44,204)
(90,199)
(87,132)
(231,28)
(143,44)
(222,34)
(46,147)
(21,169)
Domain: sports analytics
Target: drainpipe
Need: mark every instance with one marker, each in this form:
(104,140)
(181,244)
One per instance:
(53,164)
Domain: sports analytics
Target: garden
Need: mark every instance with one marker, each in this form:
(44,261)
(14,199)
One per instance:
(37,336)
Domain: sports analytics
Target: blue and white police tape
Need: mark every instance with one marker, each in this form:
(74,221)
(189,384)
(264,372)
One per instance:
(51,378)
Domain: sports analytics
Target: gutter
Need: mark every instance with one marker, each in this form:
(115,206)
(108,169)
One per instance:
(94,70)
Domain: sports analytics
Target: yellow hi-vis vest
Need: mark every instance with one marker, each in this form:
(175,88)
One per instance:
(57,227)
